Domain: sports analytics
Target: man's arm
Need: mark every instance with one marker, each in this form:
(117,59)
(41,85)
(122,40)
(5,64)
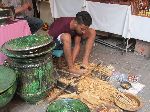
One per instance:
(91,34)
(1,5)
(76,48)
(24,7)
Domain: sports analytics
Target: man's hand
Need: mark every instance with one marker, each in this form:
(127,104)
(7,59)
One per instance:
(26,6)
(2,5)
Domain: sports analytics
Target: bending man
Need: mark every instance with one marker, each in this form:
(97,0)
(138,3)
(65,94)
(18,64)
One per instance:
(65,29)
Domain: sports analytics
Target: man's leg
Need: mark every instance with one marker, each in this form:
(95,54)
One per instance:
(89,44)
(76,48)
(66,39)
(34,23)
(36,12)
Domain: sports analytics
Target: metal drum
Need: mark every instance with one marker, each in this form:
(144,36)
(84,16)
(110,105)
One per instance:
(7,85)
(30,57)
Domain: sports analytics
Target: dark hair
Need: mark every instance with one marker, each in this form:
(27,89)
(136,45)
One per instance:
(83,17)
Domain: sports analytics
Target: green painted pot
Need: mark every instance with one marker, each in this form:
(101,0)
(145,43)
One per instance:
(28,47)
(67,105)
(3,20)
(29,44)
(7,85)
(35,81)
(26,57)
(30,57)
(7,95)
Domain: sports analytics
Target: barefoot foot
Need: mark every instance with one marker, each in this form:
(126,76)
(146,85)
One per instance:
(76,72)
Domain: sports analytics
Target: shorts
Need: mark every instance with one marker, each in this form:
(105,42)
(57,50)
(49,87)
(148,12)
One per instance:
(58,38)
(59,44)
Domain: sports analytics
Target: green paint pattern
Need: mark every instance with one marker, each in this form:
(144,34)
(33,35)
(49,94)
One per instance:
(6,96)
(7,85)
(28,42)
(67,105)
(35,83)
(34,71)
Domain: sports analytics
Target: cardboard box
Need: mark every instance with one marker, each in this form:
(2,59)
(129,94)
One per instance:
(142,48)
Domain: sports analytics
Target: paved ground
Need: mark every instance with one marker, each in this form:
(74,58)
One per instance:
(125,63)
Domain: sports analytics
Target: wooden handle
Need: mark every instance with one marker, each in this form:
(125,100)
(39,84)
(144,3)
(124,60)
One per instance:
(58,94)
(55,96)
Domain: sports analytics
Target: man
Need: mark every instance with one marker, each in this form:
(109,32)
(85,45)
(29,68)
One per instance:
(20,7)
(64,29)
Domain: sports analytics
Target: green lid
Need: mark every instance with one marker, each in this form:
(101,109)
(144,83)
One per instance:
(68,105)
(28,42)
(9,54)
(7,78)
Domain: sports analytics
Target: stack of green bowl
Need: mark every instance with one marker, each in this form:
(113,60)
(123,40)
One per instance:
(7,85)
(30,57)
(26,47)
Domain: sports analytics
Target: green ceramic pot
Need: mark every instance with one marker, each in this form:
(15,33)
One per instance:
(35,81)
(6,96)
(7,85)
(28,61)
(3,20)
(29,44)
(30,57)
(67,105)
(22,56)
(6,11)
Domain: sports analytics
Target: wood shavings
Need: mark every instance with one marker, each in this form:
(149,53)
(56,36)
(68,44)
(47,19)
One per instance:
(72,95)
(94,91)
(100,89)
(53,92)
(108,108)
(67,81)
(127,102)
(102,69)
(91,98)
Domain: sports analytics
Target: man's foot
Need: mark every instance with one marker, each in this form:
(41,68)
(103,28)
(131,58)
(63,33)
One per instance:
(83,66)
(76,72)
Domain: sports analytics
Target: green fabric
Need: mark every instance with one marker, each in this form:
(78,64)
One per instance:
(7,78)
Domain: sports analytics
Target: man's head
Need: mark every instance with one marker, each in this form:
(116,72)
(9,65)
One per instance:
(82,22)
